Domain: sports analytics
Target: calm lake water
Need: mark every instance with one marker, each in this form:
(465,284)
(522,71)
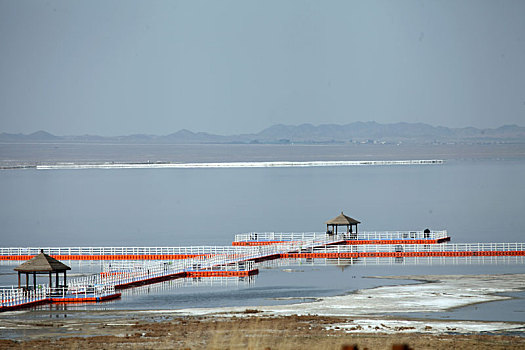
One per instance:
(476,201)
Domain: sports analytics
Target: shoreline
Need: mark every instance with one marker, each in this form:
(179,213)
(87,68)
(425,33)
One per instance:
(434,293)
(318,324)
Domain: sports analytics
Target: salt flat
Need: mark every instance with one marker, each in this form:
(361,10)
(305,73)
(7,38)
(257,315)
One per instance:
(434,294)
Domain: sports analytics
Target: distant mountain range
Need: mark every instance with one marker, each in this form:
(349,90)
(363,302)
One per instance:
(358,132)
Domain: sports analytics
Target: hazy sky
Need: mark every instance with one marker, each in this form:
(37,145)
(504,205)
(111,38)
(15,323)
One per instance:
(122,67)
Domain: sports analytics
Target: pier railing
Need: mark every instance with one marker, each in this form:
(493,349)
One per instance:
(367,235)
(118,251)
(289,238)
(13,296)
(426,260)
(123,273)
(445,247)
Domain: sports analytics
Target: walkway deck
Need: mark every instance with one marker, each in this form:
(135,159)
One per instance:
(386,237)
(233,261)
(239,245)
(18,298)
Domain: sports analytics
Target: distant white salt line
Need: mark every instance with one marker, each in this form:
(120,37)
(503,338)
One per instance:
(280,164)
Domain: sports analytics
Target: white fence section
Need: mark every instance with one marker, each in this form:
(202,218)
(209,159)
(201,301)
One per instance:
(214,250)
(196,250)
(445,247)
(428,260)
(190,282)
(127,272)
(13,296)
(371,235)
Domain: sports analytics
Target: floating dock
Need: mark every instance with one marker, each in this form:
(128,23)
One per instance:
(135,266)
(18,298)
(388,237)
(241,241)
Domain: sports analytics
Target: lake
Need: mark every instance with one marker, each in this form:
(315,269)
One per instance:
(476,200)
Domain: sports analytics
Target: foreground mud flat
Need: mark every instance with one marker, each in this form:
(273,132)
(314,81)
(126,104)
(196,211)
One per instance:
(243,331)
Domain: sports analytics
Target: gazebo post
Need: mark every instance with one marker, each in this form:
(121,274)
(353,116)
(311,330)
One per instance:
(56,283)
(50,280)
(27,280)
(34,280)
(65,279)
(18,279)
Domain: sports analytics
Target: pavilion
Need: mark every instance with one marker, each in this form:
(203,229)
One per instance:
(42,264)
(341,220)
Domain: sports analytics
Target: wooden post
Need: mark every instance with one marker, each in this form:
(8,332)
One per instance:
(18,279)
(56,279)
(50,280)
(34,280)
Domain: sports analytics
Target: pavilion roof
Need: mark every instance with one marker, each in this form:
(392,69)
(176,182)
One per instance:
(42,263)
(342,219)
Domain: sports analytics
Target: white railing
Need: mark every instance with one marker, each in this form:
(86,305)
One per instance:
(122,273)
(209,250)
(13,296)
(239,259)
(427,260)
(190,282)
(445,247)
(367,235)
(191,250)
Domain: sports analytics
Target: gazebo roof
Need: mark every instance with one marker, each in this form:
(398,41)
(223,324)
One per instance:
(342,219)
(42,263)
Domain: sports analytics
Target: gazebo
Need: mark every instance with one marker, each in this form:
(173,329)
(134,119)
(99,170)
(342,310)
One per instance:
(42,264)
(341,220)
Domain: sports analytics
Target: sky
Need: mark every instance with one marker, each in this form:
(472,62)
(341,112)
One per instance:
(227,67)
